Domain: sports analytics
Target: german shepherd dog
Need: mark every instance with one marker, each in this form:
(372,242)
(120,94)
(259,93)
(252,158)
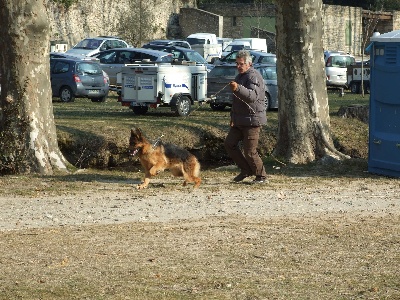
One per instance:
(159,156)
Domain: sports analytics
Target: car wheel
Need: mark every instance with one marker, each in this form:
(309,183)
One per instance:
(354,88)
(183,106)
(267,101)
(66,94)
(217,107)
(140,110)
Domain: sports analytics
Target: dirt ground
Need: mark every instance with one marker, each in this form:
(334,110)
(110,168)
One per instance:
(296,237)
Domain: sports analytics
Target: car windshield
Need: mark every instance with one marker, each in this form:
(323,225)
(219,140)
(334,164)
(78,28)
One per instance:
(268,73)
(88,44)
(341,61)
(230,48)
(195,56)
(195,41)
(270,59)
(223,71)
(88,68)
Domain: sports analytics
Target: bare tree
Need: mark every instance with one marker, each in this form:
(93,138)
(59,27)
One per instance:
(28,140)
(369,22)
(304,124)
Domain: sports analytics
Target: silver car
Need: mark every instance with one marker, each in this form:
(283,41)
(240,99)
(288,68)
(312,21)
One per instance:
(76,78)
(112,61)
(91,46)
(221,95)
(258,57)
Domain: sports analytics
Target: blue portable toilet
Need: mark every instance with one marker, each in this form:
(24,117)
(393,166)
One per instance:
(384,114)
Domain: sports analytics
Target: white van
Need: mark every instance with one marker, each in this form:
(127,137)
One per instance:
(336,63)
(206,44)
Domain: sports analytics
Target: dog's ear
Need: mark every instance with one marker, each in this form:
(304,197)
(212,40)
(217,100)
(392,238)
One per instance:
(139,132)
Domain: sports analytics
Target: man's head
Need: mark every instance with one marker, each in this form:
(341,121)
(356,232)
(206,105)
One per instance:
(243,61)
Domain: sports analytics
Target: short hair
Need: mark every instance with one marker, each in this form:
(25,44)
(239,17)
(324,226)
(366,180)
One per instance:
(245,55)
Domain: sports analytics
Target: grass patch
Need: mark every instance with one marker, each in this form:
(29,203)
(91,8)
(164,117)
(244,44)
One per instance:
(97,134)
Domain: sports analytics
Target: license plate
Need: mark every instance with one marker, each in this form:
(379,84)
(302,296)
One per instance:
(94,91)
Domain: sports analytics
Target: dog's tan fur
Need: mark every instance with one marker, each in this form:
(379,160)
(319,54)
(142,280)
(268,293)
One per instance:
(157,158)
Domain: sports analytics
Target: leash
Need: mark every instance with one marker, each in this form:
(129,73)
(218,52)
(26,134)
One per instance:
(215,96)
(157,141)
(208,100)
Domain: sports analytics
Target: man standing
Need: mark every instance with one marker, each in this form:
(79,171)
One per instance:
(247,116)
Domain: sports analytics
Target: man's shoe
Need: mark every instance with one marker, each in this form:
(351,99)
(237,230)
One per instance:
(259,179)
(240,177)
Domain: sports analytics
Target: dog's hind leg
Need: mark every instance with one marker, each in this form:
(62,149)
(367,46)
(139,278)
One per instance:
(193,172)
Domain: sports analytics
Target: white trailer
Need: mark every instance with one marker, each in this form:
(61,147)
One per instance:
(354,77)
(158,85)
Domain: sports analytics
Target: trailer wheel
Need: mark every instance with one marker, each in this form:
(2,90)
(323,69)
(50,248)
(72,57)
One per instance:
(354,88)
(140,110)
(183,106)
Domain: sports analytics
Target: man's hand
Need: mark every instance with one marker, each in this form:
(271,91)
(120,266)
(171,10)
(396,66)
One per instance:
(233,85)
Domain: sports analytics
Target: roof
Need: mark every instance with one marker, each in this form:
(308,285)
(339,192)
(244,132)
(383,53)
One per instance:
(391,37)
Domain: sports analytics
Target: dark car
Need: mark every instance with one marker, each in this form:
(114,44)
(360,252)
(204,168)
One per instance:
(181,54)
(221,95)
(112,61)
(178,43)
(76,78)
(258,57)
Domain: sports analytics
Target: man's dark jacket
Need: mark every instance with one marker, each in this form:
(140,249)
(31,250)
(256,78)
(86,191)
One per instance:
(248,107)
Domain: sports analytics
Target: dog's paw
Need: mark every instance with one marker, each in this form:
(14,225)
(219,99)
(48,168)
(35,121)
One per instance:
(141,186)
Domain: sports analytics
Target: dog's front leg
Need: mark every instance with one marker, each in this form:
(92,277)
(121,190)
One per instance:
(145,182)
(154,170)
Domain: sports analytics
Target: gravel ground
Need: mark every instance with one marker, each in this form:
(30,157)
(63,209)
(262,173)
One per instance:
(97,237)
(165,200)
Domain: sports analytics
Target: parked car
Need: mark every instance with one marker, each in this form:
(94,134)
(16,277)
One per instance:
(72,56)
(91,46)
(181,54)
(112,61)
(221,94)
(336,63)
(258,57)
(76,78)
(178,43)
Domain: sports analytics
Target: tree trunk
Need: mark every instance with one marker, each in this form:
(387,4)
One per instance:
(303,129)
(28,140)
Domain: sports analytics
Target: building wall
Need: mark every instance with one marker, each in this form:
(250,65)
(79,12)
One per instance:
(339,22)
(193,20)
(396,20)
(236,17)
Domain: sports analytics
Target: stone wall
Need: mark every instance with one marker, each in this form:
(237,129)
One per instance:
(337,20)
(179,18)
(396,20)
(100,17)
